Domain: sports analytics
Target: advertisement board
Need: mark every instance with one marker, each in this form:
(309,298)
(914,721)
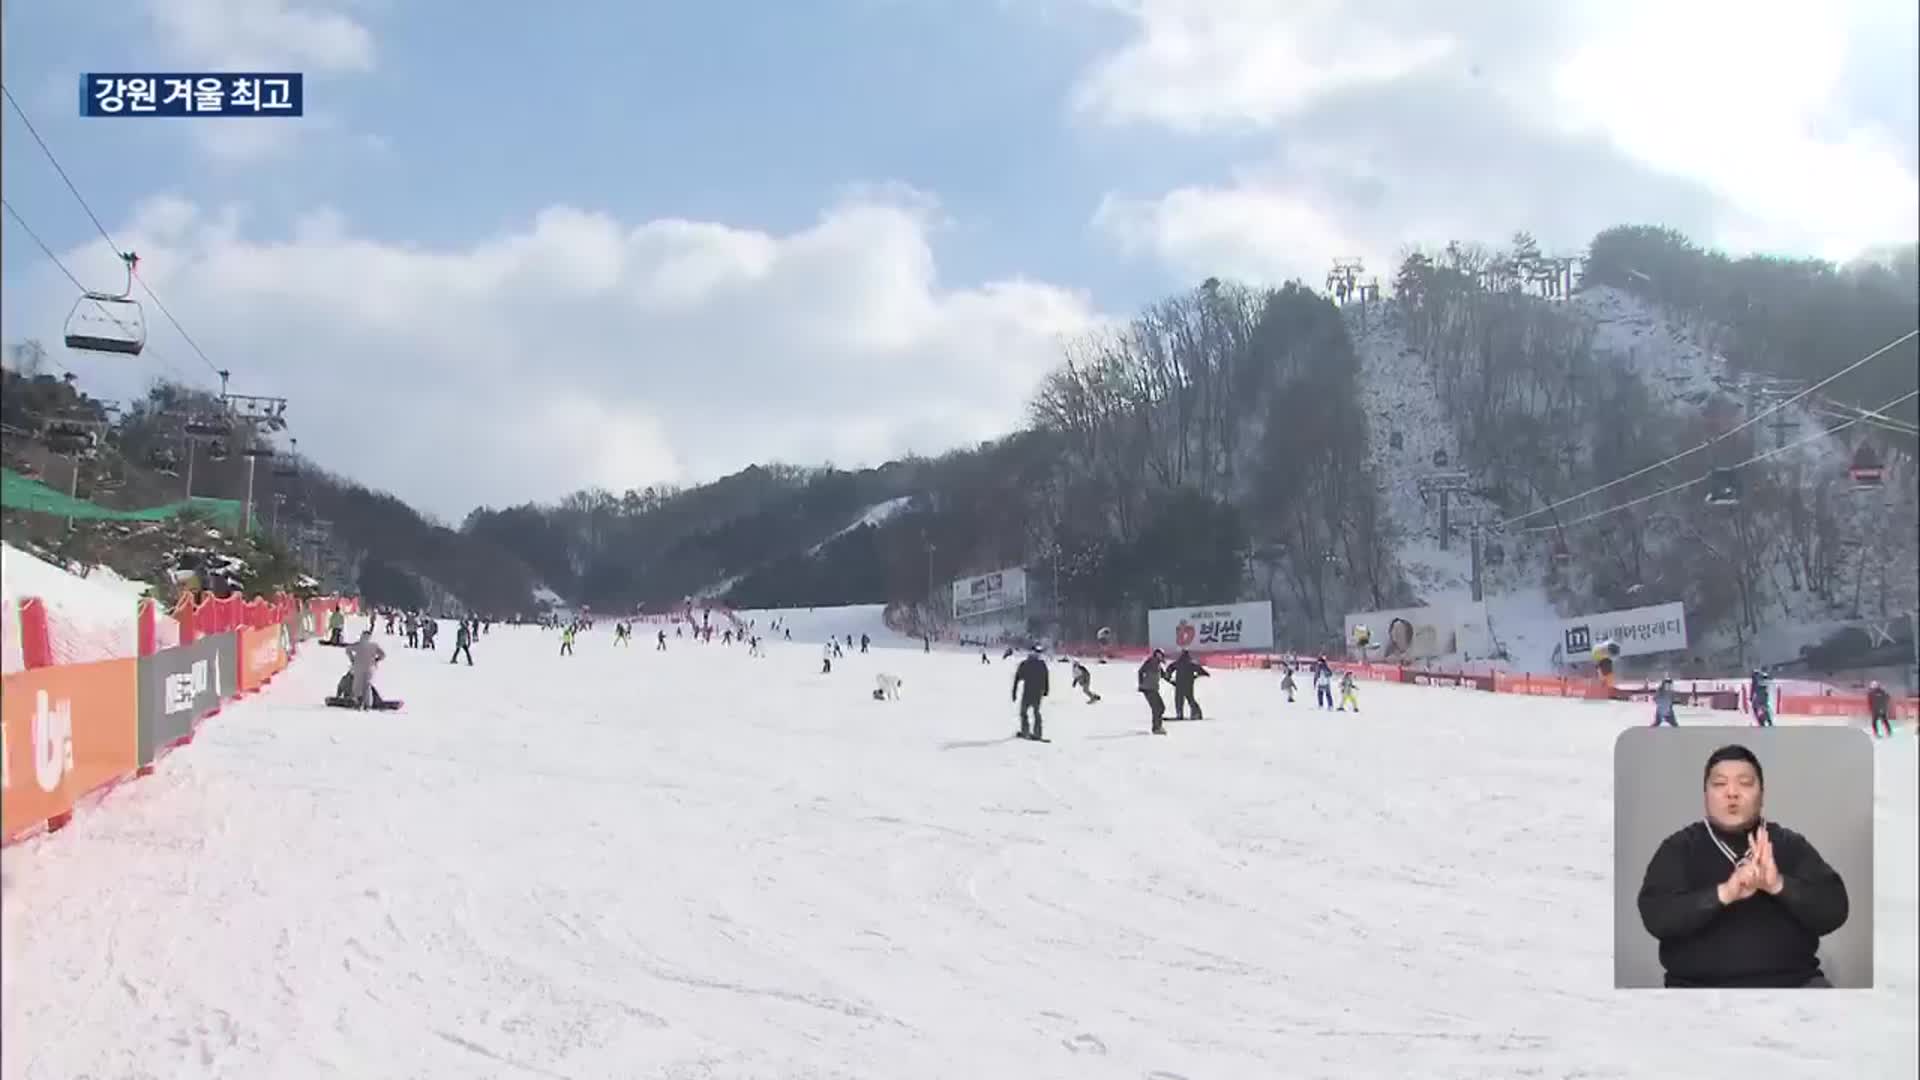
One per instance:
(987,593)
(1638,631)
(1215,628)
(64,731)
(1423,633)
(263,653)
(180,685)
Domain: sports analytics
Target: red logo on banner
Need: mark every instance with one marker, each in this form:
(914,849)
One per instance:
(1183,634)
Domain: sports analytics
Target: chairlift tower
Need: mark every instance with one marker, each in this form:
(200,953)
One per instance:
(73,437)
(1445,484)
(1343,281)
(253,412)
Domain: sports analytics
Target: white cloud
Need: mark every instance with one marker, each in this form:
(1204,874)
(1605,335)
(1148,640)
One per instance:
(579,349)
(1772,125)
(315,37)
(262,35)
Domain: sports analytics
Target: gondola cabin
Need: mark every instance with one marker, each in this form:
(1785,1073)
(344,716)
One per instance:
(1723,488)
(1867,470)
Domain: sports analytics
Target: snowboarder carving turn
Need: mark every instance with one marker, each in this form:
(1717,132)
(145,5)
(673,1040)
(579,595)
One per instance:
(1029,686)
(1083,682)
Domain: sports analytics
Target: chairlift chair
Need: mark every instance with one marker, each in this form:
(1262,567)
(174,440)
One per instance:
(1396,441)
(1723,488)
(285,468)
(1440,459)
(217,451)
(206,427)
(1561,553)
(258,450)
(1867,471)
(109,322)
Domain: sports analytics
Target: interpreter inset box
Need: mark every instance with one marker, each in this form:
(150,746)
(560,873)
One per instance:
(1743,858)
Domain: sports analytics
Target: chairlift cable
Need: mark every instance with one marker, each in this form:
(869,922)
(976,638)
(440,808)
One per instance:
(1743,425)
(1682,486)
(108,237)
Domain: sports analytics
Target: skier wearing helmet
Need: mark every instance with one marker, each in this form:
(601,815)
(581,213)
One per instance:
(1880,706)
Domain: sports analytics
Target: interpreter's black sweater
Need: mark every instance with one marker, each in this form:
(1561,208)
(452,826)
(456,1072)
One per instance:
(1762,941)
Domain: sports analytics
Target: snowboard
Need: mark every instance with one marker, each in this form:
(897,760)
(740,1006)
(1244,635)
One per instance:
(1029,738)
(386,705)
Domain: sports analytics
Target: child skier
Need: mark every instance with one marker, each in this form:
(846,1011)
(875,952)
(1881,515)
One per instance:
(566,641)
(1349,693)
(1663,703)
(1286,680)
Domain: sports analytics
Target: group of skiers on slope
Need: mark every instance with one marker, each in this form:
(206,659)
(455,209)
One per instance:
(1760,698)
(1032,683)
(1322,673)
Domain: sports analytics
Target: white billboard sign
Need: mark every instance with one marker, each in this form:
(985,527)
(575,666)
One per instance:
(1638,631)
(1423,633)
(1219,628)
(987,593)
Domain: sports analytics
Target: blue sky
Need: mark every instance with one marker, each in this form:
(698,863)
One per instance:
(674,238)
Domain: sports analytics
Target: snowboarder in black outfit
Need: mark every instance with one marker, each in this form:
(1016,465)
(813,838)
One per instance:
(1029,686)
(462,643)
(1182,673)
(1150,675)
(864,642)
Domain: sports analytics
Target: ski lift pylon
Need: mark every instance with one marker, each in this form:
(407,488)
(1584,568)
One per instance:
(109,322)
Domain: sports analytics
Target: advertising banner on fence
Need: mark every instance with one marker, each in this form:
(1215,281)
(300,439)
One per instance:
(1220,628)
(180,685)
(1638,631)
(986,593)
(263,653)
(1423,633)
(64,731)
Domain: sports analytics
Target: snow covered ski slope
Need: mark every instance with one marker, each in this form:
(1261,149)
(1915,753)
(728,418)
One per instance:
(694,863)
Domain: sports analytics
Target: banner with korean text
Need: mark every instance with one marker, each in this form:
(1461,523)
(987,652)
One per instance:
(1217,628)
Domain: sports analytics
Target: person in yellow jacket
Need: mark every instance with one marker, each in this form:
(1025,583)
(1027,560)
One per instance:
(1349,693)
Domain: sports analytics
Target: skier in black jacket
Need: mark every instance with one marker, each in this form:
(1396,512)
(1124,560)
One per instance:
(1029,686)
(1150,676)
(1737,901)
(1880,707)
(1182,673)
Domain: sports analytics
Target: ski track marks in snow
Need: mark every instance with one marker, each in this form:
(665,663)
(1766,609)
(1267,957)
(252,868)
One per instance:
(698,864)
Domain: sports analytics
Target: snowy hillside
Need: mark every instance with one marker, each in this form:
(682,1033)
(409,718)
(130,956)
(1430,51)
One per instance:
(876,514)
(523,874)
(1680,373)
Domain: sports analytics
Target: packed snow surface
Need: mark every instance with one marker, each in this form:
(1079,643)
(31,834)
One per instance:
(629,863)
